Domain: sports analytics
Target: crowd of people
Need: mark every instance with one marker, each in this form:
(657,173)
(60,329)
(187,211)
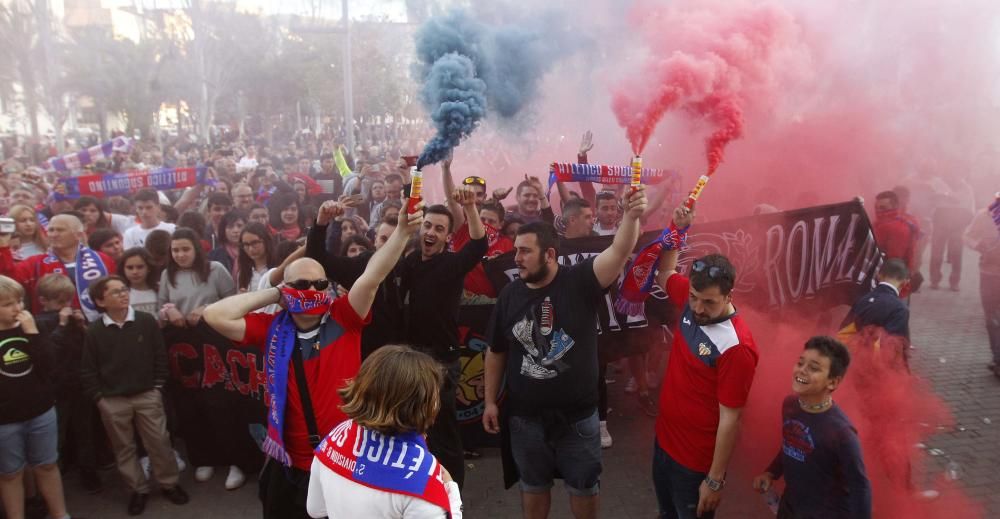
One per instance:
(320,259)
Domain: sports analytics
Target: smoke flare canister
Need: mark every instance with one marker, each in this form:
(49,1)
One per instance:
(636,172)
(696,192)
(416,189)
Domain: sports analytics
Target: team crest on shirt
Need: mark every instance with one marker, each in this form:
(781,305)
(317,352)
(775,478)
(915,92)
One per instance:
(704,350)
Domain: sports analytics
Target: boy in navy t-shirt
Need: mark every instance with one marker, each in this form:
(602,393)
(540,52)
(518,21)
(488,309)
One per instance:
(820,455)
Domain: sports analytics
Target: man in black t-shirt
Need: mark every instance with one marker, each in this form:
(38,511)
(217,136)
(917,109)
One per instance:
(431,280)
(543,341)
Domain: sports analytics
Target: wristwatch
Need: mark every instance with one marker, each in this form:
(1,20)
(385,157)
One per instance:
(714,485)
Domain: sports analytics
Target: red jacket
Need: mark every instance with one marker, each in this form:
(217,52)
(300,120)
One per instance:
(30,270)
(897,238)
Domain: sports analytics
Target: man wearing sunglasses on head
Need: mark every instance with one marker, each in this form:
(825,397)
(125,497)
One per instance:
(711,367)
(312,348)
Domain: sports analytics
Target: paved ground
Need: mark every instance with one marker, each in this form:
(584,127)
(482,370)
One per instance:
(951,353)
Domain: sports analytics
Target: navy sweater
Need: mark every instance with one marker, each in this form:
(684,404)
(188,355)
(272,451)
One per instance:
(821,462)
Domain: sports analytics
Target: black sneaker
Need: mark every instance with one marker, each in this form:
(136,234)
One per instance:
(176,495)
(91,481)
(137,503)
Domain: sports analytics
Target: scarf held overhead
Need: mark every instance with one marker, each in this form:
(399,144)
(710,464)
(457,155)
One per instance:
(400,464)
(77,160)
(603,174)
(120,184)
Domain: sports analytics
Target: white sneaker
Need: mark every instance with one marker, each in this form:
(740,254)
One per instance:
(605,436)
(144,463)
(235,479)
(180,461)
(632,386)
(204,473)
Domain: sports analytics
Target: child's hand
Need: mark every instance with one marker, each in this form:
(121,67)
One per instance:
(64,315)
(27,322)
(762,483)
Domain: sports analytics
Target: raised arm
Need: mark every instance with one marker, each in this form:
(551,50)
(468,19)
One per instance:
(278,274)
(463,202)
(362,293)
(668,259)
(449,189)
(609,263)
(226,316)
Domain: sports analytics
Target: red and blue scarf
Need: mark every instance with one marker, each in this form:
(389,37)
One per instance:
(280,347)
(641,272)
(400,464)
(89,267)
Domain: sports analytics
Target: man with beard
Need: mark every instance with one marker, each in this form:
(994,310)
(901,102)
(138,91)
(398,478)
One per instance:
(711,366)
(543,341)
(432,279)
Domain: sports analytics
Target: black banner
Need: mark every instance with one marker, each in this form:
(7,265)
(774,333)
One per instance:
(815,258)
(220,394)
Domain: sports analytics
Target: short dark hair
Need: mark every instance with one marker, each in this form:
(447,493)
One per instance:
(544,232)
(356,239)
(894,269)
(496,207)
(574,206)
(193,220)
(390,220)
(441,209)
(890,195)
(716,271)
(97,289)
(99,237)
(834,350)
(392,177)
(523,184)
(606,195)
(219,199)
(146,195)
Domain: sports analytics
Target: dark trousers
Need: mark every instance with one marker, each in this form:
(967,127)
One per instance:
(949,225)
(676,487)
(989,291)
(282,491)
(80,431)
(444,438)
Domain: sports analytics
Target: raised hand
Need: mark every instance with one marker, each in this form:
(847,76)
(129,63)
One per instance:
(328,212)
(635,202)
(464,195)
(586,143)
(683,216)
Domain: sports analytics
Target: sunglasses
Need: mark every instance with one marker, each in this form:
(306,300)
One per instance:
(474,180)
(304,284)
(713,272)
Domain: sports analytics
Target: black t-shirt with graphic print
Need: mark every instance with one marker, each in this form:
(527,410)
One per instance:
(550,336)
(24,391)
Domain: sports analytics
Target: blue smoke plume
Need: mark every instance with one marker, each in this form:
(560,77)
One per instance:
(508,61)
(457,102)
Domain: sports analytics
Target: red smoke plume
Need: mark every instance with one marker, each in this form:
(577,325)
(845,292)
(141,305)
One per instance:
(702,61)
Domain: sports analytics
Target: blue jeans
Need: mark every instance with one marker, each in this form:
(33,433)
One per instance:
(32,442)
(676,487)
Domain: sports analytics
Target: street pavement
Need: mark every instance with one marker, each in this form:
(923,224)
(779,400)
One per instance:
(951,352)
